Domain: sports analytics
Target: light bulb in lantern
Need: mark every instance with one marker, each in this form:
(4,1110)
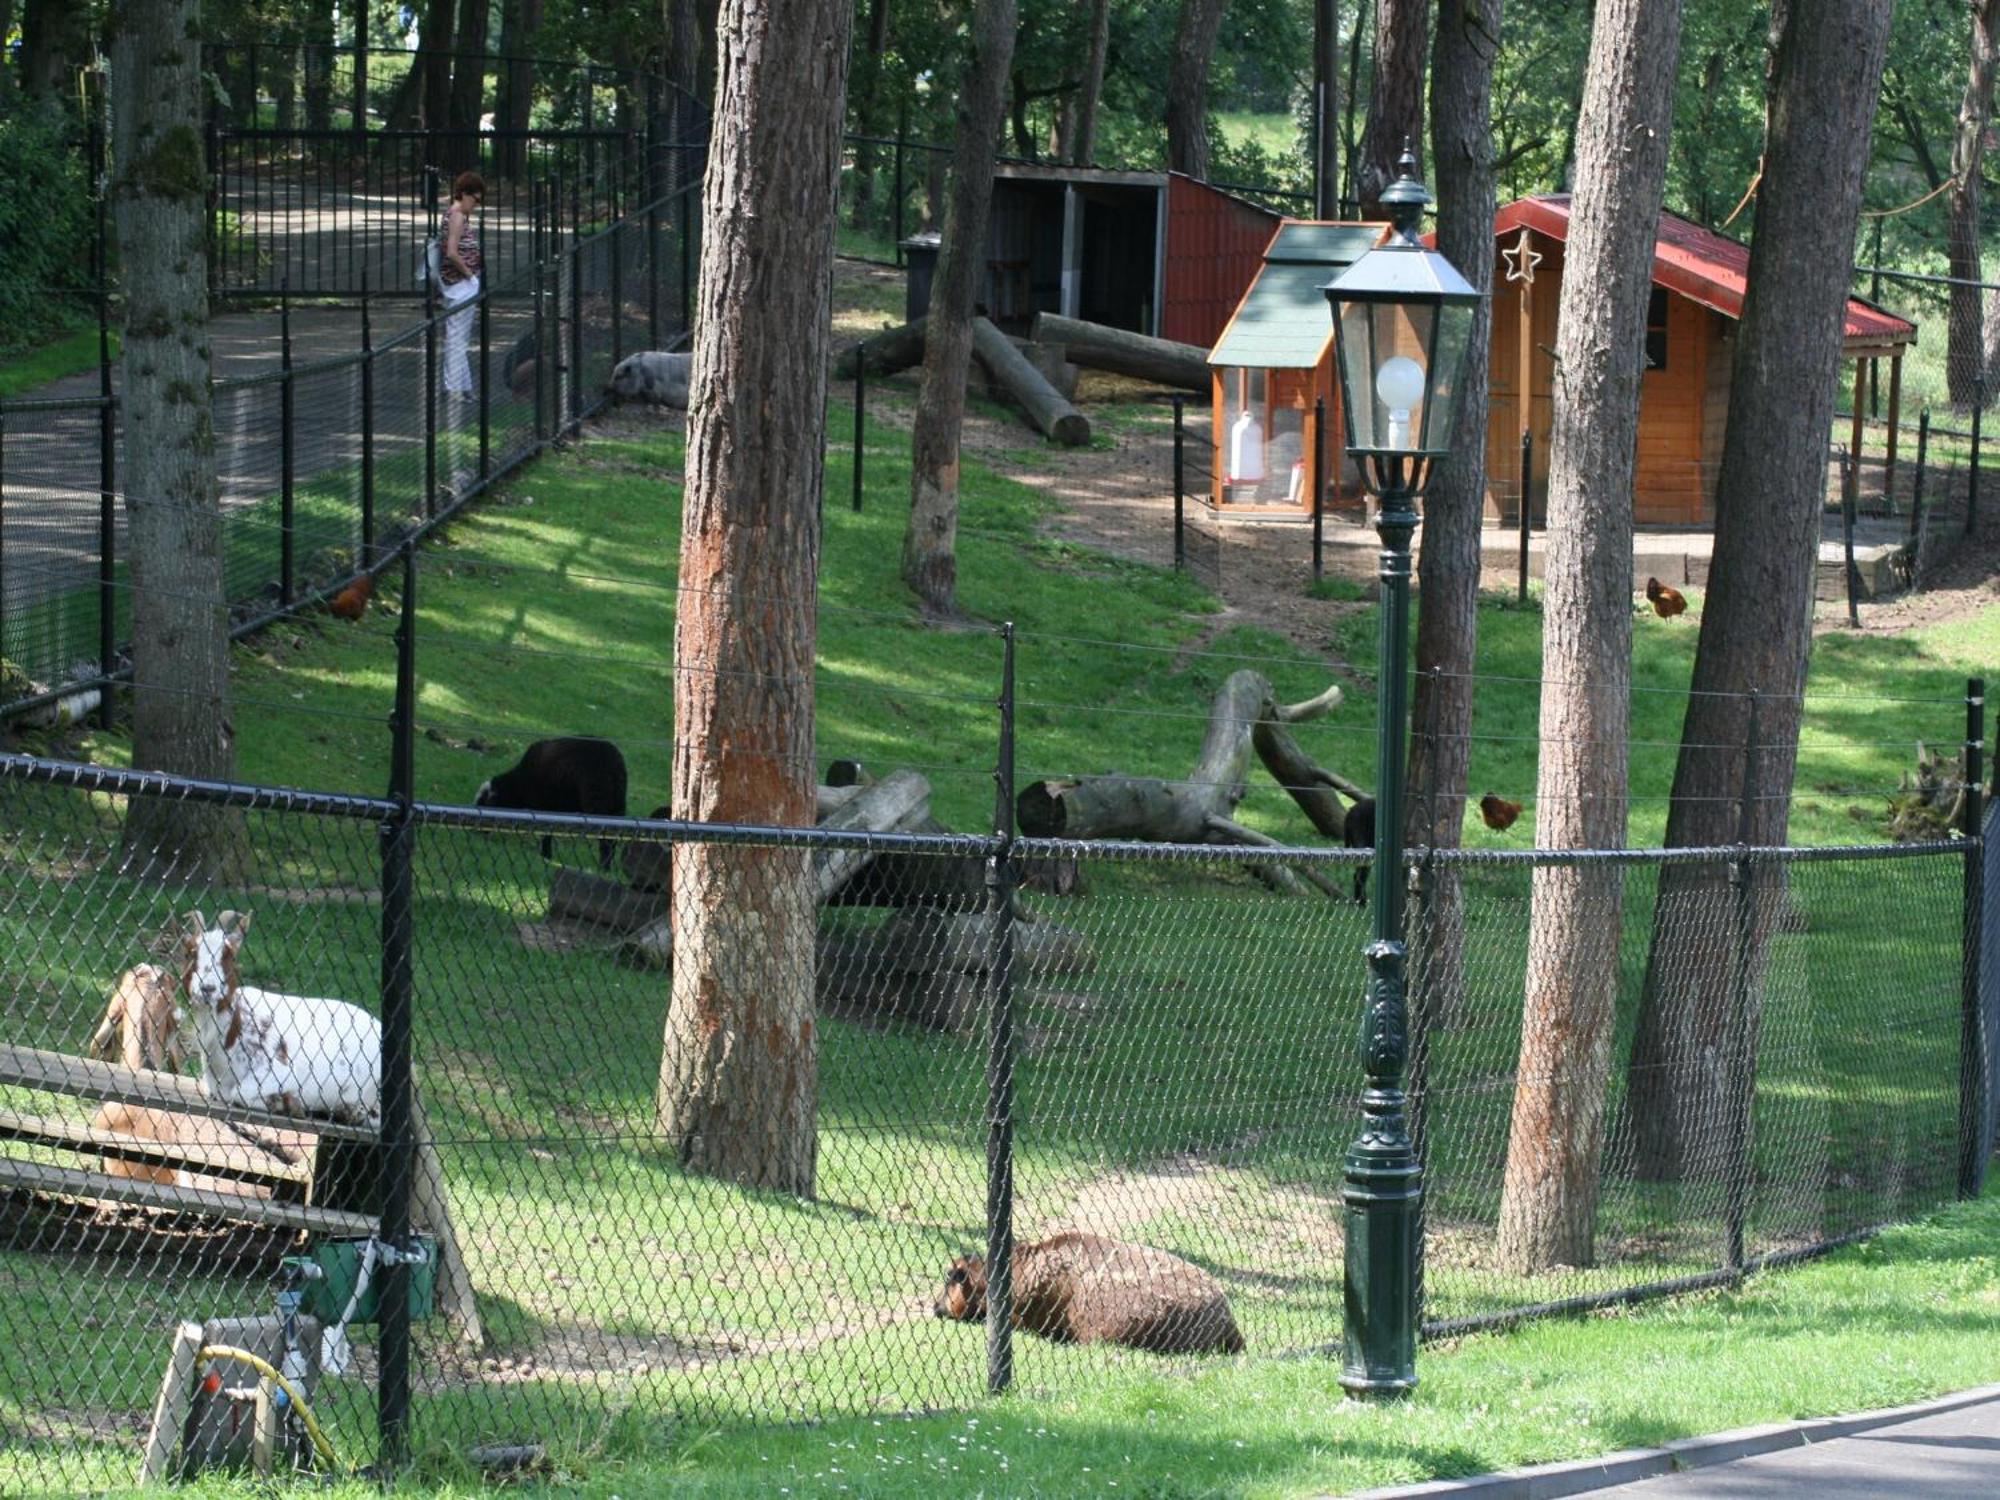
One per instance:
(1400,386)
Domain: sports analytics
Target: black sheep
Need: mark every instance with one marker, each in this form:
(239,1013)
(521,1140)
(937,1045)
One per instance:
(575,774)
(1359,833)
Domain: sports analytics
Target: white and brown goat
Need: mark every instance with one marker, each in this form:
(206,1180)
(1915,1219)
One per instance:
(264,1049)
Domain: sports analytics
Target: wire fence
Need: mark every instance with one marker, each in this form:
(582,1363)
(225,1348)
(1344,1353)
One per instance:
(1123,1070)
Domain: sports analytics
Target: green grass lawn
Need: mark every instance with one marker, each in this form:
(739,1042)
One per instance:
(23,372)
(1178,1093)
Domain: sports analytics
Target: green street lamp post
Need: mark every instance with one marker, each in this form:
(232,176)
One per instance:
(1402,320)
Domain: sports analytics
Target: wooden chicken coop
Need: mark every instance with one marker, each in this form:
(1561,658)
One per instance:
(1273,370)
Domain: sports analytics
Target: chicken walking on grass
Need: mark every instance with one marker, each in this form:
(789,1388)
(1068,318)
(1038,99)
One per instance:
(351,603)
(1667,601)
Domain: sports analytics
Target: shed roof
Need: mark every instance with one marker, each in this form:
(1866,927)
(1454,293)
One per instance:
(1283,322)
(1703,266)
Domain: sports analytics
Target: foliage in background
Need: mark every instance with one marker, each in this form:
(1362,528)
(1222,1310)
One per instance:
(45,226)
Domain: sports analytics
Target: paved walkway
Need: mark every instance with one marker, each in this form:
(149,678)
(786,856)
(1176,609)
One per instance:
(1954,1455)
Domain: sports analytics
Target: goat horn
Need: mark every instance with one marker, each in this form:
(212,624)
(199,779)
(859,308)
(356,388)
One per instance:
(193,925)
(234,924)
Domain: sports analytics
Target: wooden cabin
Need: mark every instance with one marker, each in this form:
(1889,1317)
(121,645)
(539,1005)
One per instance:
(1158,253)
(1699,278)
(1274,365)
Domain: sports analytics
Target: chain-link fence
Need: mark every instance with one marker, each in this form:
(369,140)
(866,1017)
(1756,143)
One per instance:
(703,1121)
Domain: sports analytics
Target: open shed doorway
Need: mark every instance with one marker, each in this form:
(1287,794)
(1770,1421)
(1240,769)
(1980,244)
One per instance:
(1118,254)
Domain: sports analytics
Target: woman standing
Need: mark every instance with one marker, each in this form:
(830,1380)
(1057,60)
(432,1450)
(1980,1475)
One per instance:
(461,276)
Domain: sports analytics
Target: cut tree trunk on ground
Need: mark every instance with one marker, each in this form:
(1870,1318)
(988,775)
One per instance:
(1183,366)
(887,352)
(897,804)
(1316,790)
(585,896)
(930,967)
(1195,810)
(1044,404)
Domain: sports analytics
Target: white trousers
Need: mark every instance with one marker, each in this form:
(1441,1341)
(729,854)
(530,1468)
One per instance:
(456,375)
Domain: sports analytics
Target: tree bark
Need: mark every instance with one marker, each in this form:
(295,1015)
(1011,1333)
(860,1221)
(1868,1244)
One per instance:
(1325,146)
(867,121)
(1965,364)
(1083,144)
(55,39)
(1187,87)
(1549,1198)
(180,617)
(1756,625)
(1126,353)
(433,63)
(515,94)
(886,352)
(318,32)
(1051,415)
(739,1083)
(468,83)
(1395,99)
(1468,37)
(930,542)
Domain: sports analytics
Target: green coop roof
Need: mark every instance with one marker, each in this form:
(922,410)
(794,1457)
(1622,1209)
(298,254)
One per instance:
(1283,321)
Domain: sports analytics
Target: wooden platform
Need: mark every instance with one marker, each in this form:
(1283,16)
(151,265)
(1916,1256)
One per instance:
(278,1159)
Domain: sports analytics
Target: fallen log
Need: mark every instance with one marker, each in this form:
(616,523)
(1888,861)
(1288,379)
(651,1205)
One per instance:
(1044,404)
(1092,344)
(894,804)
(1317,790)
(933,965)
(586,896)
(887,352)
(1169,812)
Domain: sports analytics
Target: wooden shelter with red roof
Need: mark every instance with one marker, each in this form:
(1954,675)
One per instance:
(1699,278)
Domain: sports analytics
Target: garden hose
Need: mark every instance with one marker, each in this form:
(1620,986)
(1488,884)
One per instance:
(263,1367)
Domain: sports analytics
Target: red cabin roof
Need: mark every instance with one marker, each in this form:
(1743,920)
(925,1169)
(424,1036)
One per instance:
(1701,265)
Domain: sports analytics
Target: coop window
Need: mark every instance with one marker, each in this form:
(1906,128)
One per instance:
(1656,329)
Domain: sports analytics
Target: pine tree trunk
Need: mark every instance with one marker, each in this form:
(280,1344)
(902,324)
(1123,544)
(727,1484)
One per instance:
(1187,87)
(1756,625)
(930,562)
(1083,140)
(1555,1142)
(1395,99)
(1325,147)
(515,93)
(738,1094)
(281,68)
(1454,508)
(1964,364)
(319,65)
(180,620)
(433,65)
(468,83)
(867,93)
(55,38)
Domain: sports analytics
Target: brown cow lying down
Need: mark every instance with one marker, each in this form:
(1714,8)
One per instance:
(1084,1289)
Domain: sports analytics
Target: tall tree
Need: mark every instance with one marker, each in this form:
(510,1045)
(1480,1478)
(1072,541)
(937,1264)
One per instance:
(515,92)
(867,109)
(317,29)
(1549,1197)
(1090,93)
(1325,145)
(1756,624)
(1395,98)
(739,1081)
(180,620)
(1187,87)
(1965,364)
(55,40)
(1468,37)
(467,98)
(930,542)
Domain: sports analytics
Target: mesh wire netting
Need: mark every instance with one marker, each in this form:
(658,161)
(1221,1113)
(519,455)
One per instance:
(629,1235)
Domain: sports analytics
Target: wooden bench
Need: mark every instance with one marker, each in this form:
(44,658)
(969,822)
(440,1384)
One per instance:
(277,1160)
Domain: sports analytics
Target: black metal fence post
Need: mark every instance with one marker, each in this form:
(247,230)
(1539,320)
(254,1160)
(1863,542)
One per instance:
(538,231)
(860,417)
(1742,1065)
(1975,1059)
(1850,482)
(485,379)
(1917,486)
(430,397)
(3,533)
(1318,487)
(360,78)
(654,179)
(107,423)
(392,1392)
(576,331)
(1000,1047)
(1527,504)
(1972,469)
(1180,485)
(617,292)
(287,448)
(367,429)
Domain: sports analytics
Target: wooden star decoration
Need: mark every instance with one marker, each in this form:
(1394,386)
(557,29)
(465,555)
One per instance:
(1522,260)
